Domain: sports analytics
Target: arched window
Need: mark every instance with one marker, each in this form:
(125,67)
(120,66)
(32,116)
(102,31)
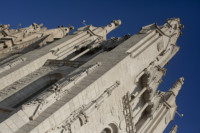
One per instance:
(106,130)
(112,128)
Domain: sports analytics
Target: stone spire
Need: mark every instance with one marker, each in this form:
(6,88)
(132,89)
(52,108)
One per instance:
(174,129)
(176,86)
(111,26)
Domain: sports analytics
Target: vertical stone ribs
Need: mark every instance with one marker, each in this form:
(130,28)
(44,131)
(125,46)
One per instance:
(80,116)
(128,114)
(56,92)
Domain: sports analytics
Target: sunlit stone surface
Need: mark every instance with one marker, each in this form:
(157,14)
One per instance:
(55,81)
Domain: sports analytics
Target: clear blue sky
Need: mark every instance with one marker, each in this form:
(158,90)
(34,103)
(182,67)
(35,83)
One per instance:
(134,15)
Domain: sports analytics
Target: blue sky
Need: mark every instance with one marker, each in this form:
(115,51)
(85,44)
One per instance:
(134,15)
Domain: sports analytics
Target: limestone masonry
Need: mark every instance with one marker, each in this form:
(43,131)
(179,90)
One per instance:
(59,81)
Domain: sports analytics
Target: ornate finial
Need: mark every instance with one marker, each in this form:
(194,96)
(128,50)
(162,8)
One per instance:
(18,26)
(177,86)
(84,22)
(174,129)
(41,25)
(117,22)
(70,28)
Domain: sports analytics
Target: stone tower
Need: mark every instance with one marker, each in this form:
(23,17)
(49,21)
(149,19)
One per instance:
(59,81)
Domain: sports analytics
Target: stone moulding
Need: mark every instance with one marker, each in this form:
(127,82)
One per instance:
(55,92)
(82,113)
